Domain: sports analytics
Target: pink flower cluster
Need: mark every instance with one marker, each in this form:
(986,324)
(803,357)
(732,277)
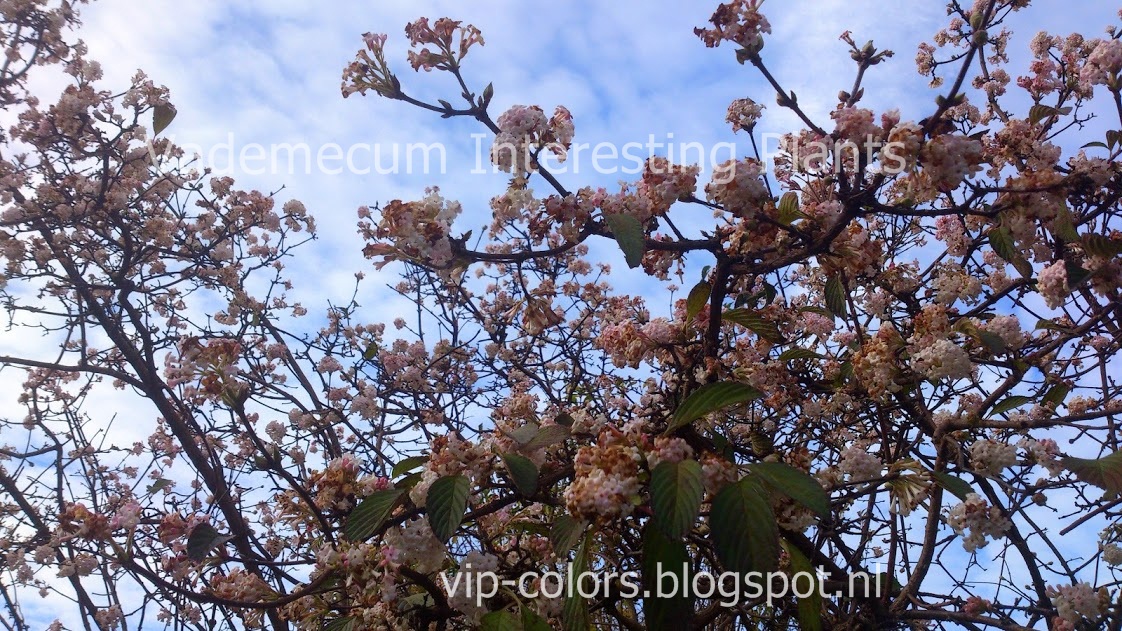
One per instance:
(1073,603)
(981,519)
(440,34)
(739,22)
(737,186)
(524,131)
(606,481)
(949,159)
(1104,63)
(1052,284)
(414,230)
(743,114)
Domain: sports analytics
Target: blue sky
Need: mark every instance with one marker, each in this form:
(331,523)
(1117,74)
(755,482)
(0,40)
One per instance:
(268,71)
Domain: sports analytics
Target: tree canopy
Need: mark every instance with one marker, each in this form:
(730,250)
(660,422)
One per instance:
(899,362)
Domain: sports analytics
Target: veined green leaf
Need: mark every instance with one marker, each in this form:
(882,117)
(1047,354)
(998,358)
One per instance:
(630,236)
(710,398)
(795,484)
(757,323)
(524,473)
(371,513)
(676,492)
(446,504)
(743,528)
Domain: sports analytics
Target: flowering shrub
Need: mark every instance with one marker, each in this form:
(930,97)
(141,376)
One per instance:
(901,357)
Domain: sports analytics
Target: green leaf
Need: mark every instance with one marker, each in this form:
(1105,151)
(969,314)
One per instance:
(565,533)
(500,621)
(1105,472)
(795,484)
(524,473)
(524,434)
(1051,326)
(955,485)
(202,540)
(630,236)
(676,493)
(1009,403)
(162,116)
(666,561)
(798,353)
(547,435)
(574,609)
(710,398)
(408,464)
(1039,112)
(836,296)
(1001,240)
(757,323)
(743,528)
(1056,394)
(367,518)
(371,351)
(531,621)
(158,485)
(408,482)
(1095,143)
(1101,246)
(446,504)
(809,608)
(1063,226)
(1076,274)
(822,311)
(348,623)
(993,342)
(787,212)
(695,302)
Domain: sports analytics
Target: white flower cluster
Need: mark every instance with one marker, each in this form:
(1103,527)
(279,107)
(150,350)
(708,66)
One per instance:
(991,456)
(413,543)
(859,464)
(606,479)
(942,359)
(743,114)
(907,139)
(980,518)
(475,563)
(856,125)
(1044,453)
(949,159)
(1052,284)
(417,229)
(953,283)
(736,185)
(1112,554)
(1008,328)
(1072,602)
(525,130)
(668,449)
(1104,60)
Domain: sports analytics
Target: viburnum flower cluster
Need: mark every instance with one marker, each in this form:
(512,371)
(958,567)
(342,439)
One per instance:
(1074,603)
(739,22)
(743,114)
(901,338)
(418,230)
(978,520)
(524,132)
(606,478)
